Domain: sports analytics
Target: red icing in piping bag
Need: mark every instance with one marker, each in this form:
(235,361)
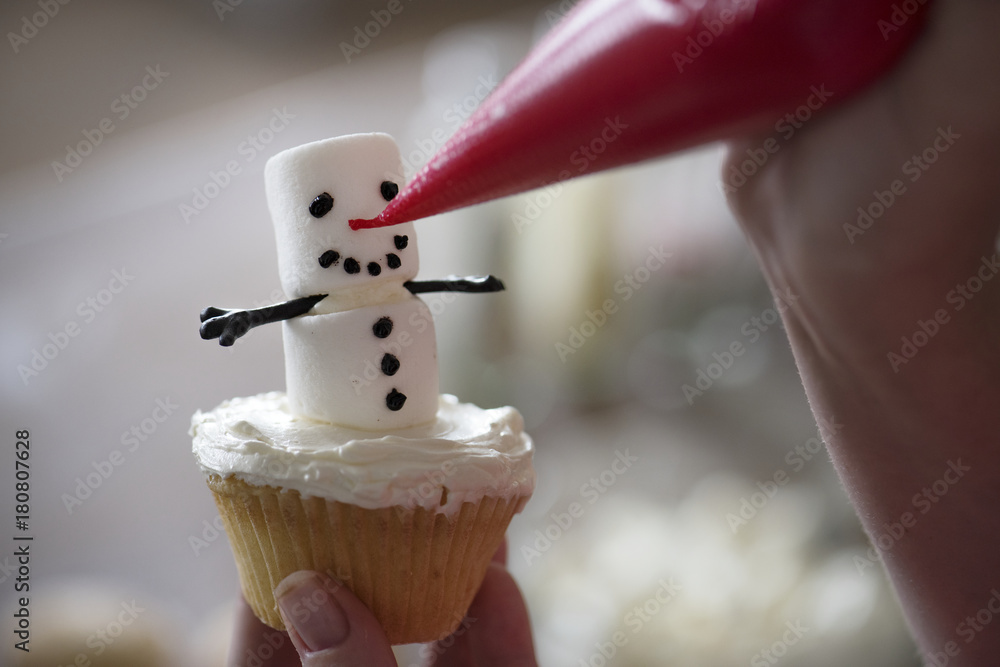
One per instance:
(620,81)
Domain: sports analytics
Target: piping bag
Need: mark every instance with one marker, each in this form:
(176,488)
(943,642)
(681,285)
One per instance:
(621,81)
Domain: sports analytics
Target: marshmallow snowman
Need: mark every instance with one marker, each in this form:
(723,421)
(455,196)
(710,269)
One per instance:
(365,355)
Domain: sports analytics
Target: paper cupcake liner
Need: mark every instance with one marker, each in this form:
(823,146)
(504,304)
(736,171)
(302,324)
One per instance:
(417,570)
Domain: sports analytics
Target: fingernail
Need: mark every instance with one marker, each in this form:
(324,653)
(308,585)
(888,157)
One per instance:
(308,608)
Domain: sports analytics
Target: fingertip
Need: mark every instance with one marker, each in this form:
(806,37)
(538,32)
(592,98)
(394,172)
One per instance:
(329,625)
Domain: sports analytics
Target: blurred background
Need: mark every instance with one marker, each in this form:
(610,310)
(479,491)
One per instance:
(685,514)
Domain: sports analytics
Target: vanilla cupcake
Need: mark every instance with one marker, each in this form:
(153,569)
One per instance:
(407,519)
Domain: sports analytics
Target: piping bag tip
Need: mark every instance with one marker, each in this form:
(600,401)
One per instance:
(366,223)
(621,81)
(398,211)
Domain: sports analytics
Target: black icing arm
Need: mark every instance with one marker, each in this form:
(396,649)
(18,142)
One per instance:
(456,284)
(228,325)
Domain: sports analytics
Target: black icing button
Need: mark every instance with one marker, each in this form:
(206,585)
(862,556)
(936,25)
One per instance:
(382,328)
(394,400)
(374,269)
(351,265)
(400,241)
(390,364)
(329,258)
(392,260)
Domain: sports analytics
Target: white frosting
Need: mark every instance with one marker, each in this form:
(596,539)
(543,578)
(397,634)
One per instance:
(469,451)
(334,367)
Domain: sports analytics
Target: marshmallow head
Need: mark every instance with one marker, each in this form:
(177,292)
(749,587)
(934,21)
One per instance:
(313,191)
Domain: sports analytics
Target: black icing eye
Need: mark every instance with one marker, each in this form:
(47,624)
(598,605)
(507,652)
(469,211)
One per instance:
(389,190)
(321,205)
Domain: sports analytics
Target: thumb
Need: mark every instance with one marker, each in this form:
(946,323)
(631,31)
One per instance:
(328,625)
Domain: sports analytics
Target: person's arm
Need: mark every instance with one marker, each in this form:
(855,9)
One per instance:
(881,216)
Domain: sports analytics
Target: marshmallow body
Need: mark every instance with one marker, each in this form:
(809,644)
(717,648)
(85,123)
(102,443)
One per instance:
(370,368)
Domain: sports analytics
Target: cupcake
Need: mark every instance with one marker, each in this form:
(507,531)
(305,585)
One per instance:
(360,469)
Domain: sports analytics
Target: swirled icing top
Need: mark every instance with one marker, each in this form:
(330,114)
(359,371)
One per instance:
(466,453)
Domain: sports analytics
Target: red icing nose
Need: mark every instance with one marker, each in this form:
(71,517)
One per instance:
(370,223)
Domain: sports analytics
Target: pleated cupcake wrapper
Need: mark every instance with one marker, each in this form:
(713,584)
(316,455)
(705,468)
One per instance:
(416,569)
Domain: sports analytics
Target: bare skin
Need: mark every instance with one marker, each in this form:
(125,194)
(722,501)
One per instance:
(905,420)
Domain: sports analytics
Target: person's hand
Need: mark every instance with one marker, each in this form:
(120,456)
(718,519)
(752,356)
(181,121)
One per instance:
(339,631)
(881,218)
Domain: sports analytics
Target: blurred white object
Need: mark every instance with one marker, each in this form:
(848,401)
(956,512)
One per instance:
(82,621)
(641,584)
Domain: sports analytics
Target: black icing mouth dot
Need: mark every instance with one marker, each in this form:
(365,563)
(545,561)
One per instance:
(374,269)
(400,241)
(329,258)
(321,205)
(392,260)
(351,265)
(389,190)
(390,364)
(382,327)
(394,400)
